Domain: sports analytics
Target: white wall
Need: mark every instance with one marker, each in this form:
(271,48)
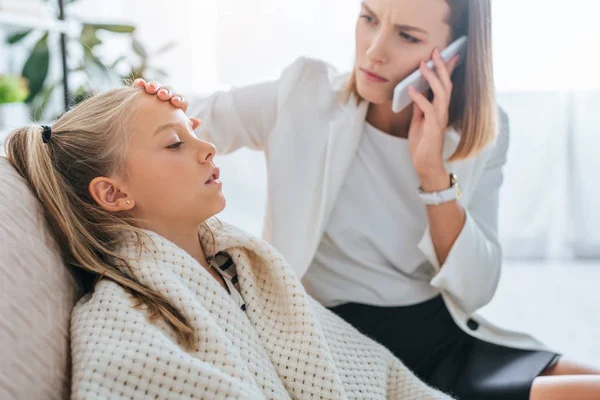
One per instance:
(539,45)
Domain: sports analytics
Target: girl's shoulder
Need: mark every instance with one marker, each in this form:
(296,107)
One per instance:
(106,297)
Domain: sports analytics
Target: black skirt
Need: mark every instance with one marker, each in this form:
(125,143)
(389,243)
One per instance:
(428,341)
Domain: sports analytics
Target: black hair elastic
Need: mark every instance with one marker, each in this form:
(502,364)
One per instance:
(46,134)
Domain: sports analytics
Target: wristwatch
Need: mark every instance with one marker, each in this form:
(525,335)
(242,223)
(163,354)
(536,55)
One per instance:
(444,196)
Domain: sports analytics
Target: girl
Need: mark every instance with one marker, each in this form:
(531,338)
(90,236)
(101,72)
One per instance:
(391,219)
(177,311)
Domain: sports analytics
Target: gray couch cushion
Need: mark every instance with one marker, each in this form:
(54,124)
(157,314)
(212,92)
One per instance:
(37,294)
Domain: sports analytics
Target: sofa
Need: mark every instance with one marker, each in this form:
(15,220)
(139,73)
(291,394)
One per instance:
(37,293)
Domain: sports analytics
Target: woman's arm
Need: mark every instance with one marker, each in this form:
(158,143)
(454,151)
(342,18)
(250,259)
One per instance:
(461,243)
(446,220)
(468,255)
(240,117)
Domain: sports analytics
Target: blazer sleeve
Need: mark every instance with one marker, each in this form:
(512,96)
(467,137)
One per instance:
(471,271)
(245,117)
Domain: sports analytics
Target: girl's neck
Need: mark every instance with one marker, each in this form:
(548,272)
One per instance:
(187,238)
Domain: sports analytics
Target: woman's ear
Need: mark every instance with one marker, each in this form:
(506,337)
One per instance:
(108,194)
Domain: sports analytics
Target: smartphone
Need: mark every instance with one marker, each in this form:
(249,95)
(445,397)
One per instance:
(401,97)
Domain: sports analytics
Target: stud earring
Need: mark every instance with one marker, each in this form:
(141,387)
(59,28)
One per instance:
(128,202)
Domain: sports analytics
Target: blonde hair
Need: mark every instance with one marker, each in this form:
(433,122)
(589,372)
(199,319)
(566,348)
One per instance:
(473,110)
(87,142)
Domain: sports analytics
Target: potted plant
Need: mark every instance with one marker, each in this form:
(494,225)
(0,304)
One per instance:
(13,93)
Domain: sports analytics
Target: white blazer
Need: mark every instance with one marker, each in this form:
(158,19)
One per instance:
(309,137)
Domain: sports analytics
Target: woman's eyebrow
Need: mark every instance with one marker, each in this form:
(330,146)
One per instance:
(409,28)
(401,27)
(366,7)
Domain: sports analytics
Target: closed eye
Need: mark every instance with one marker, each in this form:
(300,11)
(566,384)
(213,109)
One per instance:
(175,146)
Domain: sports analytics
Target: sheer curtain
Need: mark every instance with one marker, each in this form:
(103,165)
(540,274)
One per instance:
(545,67)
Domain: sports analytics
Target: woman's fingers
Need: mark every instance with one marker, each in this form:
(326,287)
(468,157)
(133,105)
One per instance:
(152,87)
(442,83)
(439,91)
(452,65)
(443,70)
(195,123)
(421,101)
(165,93)
(180,101)
(139,82)
(418,115)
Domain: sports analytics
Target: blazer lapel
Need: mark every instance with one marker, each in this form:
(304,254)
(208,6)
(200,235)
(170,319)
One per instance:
(345,132)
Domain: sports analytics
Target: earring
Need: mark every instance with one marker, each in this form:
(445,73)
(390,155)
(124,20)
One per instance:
(128,202)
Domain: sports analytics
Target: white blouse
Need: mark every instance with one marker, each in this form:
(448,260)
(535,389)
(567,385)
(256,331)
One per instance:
(369,252)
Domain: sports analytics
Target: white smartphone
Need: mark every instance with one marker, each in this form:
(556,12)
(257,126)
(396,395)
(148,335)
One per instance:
(402,99)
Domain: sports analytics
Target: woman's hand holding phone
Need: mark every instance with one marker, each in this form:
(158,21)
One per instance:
(429,123)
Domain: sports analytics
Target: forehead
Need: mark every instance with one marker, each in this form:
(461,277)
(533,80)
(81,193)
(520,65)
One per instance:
(427,14)
(151,112)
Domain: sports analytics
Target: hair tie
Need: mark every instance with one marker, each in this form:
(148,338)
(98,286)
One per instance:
(46,134)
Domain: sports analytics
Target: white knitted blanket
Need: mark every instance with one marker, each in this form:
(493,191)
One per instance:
(285,346)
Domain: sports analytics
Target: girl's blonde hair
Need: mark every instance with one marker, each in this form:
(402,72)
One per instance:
(87,142)
(473,110)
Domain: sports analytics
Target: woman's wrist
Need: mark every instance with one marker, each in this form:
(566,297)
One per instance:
(435,180)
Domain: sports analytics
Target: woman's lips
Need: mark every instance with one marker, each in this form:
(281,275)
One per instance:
(372,77)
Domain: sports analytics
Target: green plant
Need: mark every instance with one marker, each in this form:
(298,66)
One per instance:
(13,89)
(96,72)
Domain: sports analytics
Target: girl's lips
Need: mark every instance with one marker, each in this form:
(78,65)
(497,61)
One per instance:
(214,177)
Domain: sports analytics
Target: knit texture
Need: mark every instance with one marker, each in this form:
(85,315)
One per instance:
(285,346)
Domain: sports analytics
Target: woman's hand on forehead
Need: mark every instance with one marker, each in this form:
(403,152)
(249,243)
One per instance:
(164,93)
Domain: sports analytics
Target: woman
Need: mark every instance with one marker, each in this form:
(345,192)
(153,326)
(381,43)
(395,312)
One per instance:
(178,312)
(391,219)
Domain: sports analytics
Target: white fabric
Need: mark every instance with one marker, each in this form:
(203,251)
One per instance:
(285,346)
(369,253)
(309,138)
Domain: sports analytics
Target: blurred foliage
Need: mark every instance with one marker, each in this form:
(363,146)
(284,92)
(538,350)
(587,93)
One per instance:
(13,89)
(136,63)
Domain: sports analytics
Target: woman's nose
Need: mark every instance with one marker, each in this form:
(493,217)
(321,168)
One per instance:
(377,50)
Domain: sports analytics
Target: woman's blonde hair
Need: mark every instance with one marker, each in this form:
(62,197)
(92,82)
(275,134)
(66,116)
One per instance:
(87,142)
(473,104)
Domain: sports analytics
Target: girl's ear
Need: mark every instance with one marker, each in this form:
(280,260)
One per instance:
(109,196)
